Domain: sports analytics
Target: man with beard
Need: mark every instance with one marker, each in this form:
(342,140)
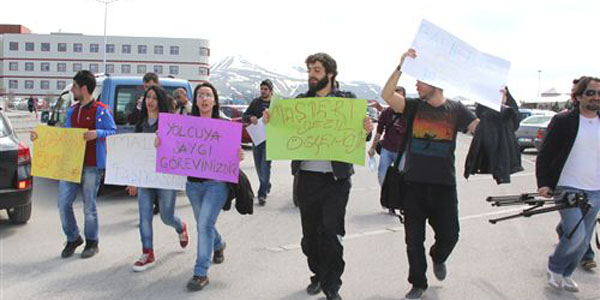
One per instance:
(323,189)
(587,262)
(252,114)
(97,118)
(569,162)
(430,174)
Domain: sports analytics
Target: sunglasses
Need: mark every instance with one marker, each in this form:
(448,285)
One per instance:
(591,93)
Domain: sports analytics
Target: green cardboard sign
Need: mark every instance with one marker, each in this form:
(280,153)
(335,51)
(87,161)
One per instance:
(327,128)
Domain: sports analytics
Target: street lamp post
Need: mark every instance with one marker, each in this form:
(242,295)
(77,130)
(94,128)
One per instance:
(106,3)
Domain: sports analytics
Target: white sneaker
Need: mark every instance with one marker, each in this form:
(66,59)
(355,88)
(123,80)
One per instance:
(570,285)
(555,280)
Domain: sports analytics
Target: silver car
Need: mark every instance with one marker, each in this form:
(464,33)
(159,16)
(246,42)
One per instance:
(528,130)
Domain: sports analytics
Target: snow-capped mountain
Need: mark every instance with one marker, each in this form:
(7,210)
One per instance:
(237,78)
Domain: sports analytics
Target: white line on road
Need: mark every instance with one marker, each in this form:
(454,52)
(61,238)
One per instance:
(290,247)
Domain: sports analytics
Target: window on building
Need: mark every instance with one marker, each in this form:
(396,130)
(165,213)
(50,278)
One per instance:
(125,69)
(29,46)
(174,70)
(204,51)
(110,48)
(13,46)
(45,47)
(174,50)
(76,67)
(110,68)
(77,47)
(142,49)
(61,47)
(203,71)
(94,68)
(158,69)
(94,48)
(141,69)
(29,84)
(13,84)
(45,84)
(61,67)
(45,67)
(158,49)
(125,49)
(61,84)
(28,66)
(13,66)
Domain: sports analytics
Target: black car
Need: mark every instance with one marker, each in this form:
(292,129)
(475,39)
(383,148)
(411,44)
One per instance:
(16,182)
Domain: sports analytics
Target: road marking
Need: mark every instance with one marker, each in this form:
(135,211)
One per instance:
(357,235)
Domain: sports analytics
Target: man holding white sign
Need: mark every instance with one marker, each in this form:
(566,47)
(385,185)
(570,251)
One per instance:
(430,175)
(253,114)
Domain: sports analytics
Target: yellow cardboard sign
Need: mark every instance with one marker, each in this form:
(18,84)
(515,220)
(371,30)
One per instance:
(58,153)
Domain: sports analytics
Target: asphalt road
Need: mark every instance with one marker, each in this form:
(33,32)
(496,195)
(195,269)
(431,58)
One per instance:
(263,259)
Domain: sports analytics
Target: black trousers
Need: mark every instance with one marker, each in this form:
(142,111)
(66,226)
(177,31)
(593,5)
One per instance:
(322,201)
(438,204)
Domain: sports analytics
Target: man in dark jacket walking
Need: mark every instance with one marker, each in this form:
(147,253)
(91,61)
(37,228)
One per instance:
(568,162)
(253,114)
(323,190)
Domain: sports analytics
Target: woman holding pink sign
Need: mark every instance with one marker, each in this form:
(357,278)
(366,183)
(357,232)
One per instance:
(207,197)
(154,102)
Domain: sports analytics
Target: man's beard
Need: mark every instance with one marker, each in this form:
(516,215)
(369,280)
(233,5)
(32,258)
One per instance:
(592,106)
(319,85)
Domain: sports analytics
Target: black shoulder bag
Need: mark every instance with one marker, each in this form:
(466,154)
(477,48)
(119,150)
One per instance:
(393,187)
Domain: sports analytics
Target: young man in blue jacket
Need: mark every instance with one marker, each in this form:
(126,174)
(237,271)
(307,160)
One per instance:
(97,118)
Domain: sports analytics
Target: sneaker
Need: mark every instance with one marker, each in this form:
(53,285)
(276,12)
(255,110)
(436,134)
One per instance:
(313,288)
(218,256)
(184,238)
(145,262)
(555,280)
(439,270)
(588,264)
(415,293)
(91,248)
(570,285)
(70,247)
(262,200)
(197,283)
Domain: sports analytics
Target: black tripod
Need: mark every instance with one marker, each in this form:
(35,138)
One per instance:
(564,200)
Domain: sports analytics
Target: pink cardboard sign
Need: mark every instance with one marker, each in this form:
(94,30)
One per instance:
(198,147)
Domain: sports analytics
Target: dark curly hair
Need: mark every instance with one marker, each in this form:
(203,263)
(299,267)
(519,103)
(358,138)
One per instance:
(327,61)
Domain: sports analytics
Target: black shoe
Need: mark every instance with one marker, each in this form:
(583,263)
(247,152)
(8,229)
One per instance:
(415,293)
(91,248)
(439,270)
(197,283)
(218,256)
(262,201)
(333,296)
(313,288)
(70,247)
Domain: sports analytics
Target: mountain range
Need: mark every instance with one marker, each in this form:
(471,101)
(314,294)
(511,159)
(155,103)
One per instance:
(238,79)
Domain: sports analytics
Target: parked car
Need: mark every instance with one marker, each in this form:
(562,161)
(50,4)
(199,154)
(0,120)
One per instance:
(528,130)
(16,182)
(234,113)
(527,112)
(541,134)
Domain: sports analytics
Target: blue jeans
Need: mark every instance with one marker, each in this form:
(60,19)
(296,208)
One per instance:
(207,199)
(166,201)
(568,252)
(589,254)
(386,158)
(263,168)
(67,192)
